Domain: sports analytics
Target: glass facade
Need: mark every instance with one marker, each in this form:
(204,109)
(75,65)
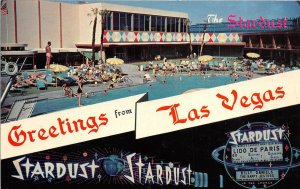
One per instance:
(116,21)
(168,24)
(140,22)
(153,23)
(122,21)
(183,25)
(107,23)
(147,23)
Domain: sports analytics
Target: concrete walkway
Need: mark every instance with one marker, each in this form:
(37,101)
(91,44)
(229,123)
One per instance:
(135,77)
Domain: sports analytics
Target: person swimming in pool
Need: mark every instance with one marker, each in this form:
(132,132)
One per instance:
(111,85)
(80,90)
(67,91)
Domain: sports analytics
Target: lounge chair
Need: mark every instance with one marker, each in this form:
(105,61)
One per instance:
(25,75)
(49,81)
(71,68)
(230,65)
(216,66)
(272,69)
(268,66)
(194,67)
(48,72)
(223,67)
(40,84)
(254,66)
(63,75)
(286,69)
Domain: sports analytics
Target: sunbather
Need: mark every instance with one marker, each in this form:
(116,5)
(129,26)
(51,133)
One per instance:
(20,84)
(30,82)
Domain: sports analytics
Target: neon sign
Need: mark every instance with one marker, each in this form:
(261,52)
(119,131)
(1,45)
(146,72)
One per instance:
(252,24)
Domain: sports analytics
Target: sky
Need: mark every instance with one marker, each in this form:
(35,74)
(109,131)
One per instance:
(198,10)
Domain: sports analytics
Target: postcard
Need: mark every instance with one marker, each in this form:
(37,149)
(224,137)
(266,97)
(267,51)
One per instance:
(150,94)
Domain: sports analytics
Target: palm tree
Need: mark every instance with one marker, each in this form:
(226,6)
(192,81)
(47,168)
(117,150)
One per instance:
(94,13)
(202,43)
(103,14)
(188,25)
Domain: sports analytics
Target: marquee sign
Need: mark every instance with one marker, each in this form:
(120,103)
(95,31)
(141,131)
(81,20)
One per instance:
(258,155)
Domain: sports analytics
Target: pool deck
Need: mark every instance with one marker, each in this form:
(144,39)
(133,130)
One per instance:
(131,69)
(135,76)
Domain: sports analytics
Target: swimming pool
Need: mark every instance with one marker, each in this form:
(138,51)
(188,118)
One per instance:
(174,85)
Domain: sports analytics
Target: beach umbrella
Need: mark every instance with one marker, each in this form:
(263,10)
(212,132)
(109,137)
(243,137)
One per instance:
(58,68)
(115,61)
(205,58)
(253,55)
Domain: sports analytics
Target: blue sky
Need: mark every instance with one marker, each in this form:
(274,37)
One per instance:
(198,10)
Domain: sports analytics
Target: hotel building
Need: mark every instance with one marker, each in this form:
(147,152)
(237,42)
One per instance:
(279,44)
(130,33)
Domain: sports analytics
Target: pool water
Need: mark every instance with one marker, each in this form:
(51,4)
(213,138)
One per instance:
(174,85)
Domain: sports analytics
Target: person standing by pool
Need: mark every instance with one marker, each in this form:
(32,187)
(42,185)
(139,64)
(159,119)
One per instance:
(48,54)
(79,90)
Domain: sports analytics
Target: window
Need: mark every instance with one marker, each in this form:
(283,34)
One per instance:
(147,23)
(153,23)
(159,23)
(182,27)
(107,23)
(128,23)
(177,25)
(169,25)
(173,25)
(123,21)
(136,21)
(163,24)
(116,21)
(142,23)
